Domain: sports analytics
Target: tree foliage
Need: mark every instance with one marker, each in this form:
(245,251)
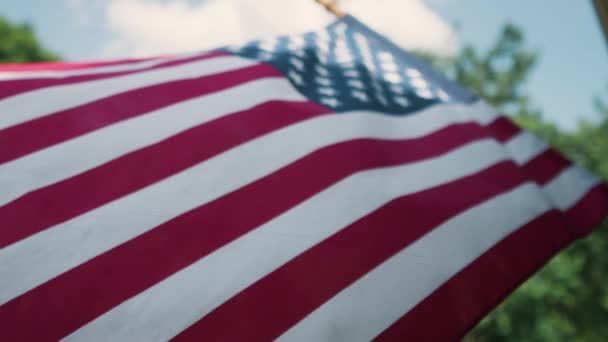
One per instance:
(568,299)
(18,44)
(496,75)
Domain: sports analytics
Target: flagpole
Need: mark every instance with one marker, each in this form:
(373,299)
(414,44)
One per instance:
(332,7)
(601,9)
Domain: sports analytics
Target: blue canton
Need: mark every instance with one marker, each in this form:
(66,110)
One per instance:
(346,68)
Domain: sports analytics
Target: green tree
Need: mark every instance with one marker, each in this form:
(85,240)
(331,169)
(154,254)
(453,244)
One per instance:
(18,44)
(568,299)
(496,75)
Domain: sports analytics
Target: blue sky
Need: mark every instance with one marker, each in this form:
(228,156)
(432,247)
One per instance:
(572,70)
(574,57)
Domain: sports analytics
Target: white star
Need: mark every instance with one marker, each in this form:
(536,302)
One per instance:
(348,65)
(384,56)
(352,73)
(327,91)
(377,86)
(397,89)
(342,50)
(401,100)
(359,95)
(323,58)
(382,99)
(419,83)
(340,29)
(323,47)
(299,53)
(323,81)
(356,84)
(330,101)
(322,37)
(425,93)
(392,77)
(265,56)
(413,73)
(295,77)
(345,60)
(370,65)
(389,66)
(321,70)
(296,63)
(360,39)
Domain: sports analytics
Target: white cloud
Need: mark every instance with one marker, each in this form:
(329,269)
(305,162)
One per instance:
(409,23)
(148,27)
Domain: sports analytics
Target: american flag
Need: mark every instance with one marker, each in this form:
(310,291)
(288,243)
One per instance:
(323,186)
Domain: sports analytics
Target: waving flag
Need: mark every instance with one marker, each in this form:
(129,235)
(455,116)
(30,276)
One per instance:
(324,186)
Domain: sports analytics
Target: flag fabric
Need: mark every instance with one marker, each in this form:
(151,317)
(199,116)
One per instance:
(317,187)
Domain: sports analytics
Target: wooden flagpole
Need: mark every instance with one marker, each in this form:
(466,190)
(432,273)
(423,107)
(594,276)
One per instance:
(332,7)
(601,9)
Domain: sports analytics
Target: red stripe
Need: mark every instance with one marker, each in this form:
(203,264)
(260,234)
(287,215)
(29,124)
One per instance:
(546,166)
(275,303)
(584,217)
(52,129)
(85,292)
(589,212)
(62,66)
(453,309)
(146,166)
(503,129)
(459,304)
(13,87)
(541,168)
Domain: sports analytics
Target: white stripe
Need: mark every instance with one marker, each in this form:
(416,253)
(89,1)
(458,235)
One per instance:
(569,187)
(525,147)
(370,305)
(193,292)
(77,155)
(93,70)
(32,261)
(42,102)
(564,190)
(483,113)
